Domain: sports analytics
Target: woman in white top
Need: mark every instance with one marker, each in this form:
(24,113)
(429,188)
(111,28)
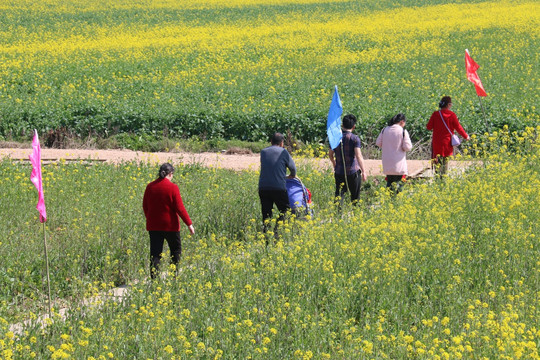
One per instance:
(394,141)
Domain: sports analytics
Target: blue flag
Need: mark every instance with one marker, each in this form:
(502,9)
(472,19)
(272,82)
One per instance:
(333,124)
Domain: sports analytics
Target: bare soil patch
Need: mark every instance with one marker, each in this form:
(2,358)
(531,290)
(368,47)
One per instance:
(233,161)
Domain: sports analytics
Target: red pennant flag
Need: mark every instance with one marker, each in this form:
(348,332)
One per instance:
(35,159)
(471,66)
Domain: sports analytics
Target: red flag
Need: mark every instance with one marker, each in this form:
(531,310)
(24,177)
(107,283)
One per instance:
(472,76)
(35,159)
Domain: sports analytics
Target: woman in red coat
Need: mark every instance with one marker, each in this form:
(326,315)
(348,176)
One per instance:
(441,144)
(162,204)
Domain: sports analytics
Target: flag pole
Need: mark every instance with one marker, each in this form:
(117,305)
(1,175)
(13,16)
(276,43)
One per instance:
(344,167)
(47,266)
(484,112)
(35,178)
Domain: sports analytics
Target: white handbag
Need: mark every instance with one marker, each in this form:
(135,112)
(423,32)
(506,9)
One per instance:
(455,139)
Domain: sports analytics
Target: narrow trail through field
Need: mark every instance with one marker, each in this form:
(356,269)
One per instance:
(217,160)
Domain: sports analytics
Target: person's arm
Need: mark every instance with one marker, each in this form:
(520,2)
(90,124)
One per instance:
(459,128)
(181,210)
(145,204)
(407,144)
(291,166)
(378,142)
(360,159)
(429,125)
(332,158)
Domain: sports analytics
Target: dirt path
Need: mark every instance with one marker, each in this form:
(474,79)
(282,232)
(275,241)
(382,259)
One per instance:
(225,161)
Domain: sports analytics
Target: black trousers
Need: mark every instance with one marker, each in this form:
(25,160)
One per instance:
(268,199)
(394,179)
(156,248)
(354,181)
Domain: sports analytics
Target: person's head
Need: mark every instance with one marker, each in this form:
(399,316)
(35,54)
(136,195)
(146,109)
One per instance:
(277,139)
(397,119)
(445,102)
(349,122)
(165,170)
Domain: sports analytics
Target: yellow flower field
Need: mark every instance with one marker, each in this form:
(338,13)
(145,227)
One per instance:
(242,74)
(444,270)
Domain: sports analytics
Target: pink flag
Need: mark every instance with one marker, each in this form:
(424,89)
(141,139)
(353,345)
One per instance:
(472,76)
(35,159)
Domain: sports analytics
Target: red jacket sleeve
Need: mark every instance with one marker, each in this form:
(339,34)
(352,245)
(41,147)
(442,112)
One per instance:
(457,126)
(429,125)
(179,206)
(145,204)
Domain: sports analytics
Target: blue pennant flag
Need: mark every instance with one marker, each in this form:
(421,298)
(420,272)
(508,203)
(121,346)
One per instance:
(333,124)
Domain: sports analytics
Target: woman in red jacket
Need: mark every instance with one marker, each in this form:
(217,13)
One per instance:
(441,144)
(162,204)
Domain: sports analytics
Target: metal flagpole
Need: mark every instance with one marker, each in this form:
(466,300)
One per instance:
(47,265)
(483,112)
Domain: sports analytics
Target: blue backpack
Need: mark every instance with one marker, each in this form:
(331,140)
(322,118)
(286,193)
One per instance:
(299,197)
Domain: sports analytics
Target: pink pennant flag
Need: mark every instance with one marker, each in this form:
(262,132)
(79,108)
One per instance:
(35,159)
(471,66)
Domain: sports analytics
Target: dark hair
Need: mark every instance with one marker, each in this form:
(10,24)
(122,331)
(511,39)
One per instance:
(349,121)
(396,119)
(165,170)
(445,101)
(277,139)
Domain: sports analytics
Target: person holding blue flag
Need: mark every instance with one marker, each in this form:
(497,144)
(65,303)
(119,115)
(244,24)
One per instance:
(348,162)
(344,153)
